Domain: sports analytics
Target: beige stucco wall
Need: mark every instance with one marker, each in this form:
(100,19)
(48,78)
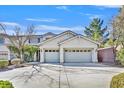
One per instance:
(79,43)
(73,43)
(54,43)
(82,43)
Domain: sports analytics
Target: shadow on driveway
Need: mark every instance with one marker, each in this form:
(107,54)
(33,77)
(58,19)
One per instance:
(72,64)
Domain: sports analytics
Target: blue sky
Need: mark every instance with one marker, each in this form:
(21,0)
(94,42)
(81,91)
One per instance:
(55,18)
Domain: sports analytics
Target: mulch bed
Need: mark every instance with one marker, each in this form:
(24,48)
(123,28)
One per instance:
(11,67)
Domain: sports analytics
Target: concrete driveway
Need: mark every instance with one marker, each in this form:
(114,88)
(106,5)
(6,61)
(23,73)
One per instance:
(86,75)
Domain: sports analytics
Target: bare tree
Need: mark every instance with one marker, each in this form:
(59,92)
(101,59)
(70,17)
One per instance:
(117,33)
(19,38)
(118,29)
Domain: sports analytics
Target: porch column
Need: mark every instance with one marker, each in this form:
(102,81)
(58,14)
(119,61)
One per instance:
(61,55)
(94,55)
(9,55)
(42,55)
(35,57)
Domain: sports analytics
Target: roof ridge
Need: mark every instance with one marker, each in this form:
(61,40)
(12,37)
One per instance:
(67,39)
(79,35)
(57,35)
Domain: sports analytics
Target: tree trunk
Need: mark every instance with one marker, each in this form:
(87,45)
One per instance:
(115,54)
(114,51)
(22,56)
(122,44)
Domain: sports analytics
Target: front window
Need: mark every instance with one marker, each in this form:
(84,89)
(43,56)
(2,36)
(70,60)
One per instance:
(29,41)
(38,40)
(1,40)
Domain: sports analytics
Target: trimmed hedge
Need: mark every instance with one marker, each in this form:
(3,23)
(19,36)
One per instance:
(117,81)
(5,84)
(3,63)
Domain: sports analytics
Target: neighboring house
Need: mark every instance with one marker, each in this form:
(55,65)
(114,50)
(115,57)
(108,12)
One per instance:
(4,42)
(67,46)
(4,51)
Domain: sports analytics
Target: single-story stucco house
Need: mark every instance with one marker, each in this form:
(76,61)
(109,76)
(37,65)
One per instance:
(65,47)
(68,46)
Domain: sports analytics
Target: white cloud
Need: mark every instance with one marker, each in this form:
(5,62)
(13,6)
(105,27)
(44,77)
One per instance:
(63,8)
(9,31)
(9,26)
(42,20)
(58,28)
(110,6)
(95,16)
(88,14)
(10,23)
(91,16)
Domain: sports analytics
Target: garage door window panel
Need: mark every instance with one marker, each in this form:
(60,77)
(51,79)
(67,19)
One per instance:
(46,50)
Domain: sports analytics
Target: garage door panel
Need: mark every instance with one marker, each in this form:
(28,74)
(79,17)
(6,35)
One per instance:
(78,56)
(51,56)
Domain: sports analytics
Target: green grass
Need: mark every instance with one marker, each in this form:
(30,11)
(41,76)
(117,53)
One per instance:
(3,63)
(5,84)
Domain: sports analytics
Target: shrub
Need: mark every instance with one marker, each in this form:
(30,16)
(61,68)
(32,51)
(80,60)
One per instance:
(117,81)
(120,56)
(15,61)
(3,63)
(5,84)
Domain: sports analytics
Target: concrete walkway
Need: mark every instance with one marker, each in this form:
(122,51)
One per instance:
(58,76)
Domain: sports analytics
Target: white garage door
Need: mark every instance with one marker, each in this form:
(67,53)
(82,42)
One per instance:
(78,55)
(51,56)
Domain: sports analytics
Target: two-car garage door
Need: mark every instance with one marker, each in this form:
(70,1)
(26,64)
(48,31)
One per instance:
(78,55)
(70,55)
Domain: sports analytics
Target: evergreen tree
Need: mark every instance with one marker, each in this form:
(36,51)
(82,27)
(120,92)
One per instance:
(95,30)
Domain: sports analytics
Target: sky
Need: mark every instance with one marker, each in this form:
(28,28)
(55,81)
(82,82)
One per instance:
(54,18)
